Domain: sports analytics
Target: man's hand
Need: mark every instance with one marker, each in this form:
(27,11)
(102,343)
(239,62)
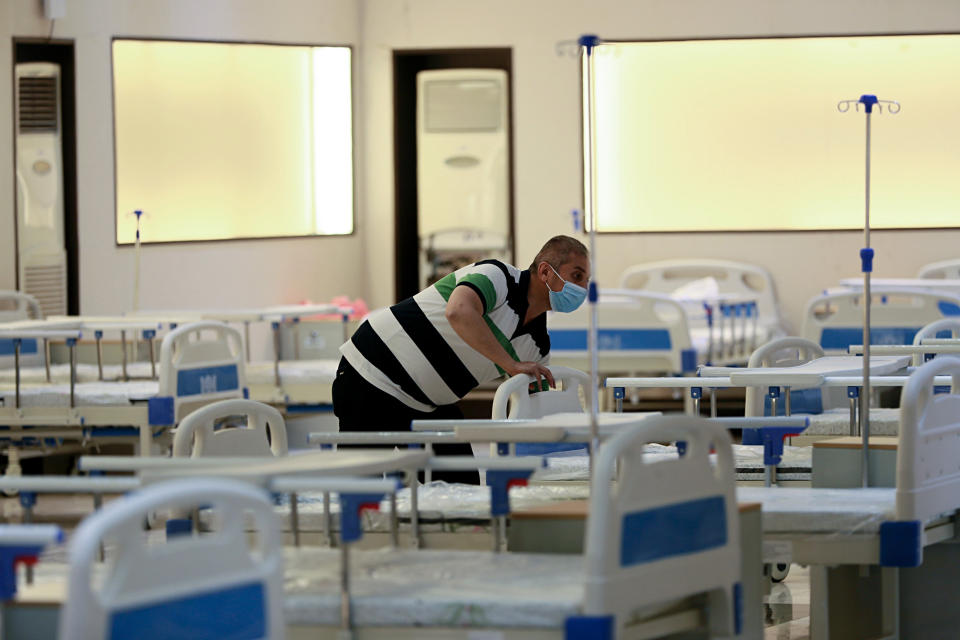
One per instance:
(534,370)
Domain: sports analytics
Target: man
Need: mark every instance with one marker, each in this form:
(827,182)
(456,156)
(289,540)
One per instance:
(416,359)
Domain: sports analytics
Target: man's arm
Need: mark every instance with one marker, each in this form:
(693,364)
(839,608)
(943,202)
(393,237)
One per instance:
(465,314)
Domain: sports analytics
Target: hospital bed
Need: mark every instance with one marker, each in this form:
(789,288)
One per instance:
(835,320)
(98,327)
(649,332)
(892,528)
(714,278)
(199,364)
(628,583)
(298,386)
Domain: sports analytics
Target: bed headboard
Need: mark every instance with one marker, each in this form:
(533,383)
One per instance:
(667,529)
(638,332)
(928,457)
(835,320)
(214,585)
(200,363)
(747,280)
(949,269)
(15,305)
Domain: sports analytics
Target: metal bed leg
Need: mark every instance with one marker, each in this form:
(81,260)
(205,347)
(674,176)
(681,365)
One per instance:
(153,354)
(46,357)
(428,472)
(327,520)
(276,353)
(98,335)
(296,338)
(295,518)
(695,395)
(853,394)
(394,522)
(16,366)
(499,533)
(346,615)
(123,351)
(27,500)
(414,511)
(72,343)
(713,402)
(787,408)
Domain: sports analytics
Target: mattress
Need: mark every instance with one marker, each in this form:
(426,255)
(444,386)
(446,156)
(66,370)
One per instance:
(836,422)
(473,589)
(834,511)
(86,394)
(435,588)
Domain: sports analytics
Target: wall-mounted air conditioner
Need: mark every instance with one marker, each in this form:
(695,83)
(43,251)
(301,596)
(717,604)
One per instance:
(462,166)
(41,257)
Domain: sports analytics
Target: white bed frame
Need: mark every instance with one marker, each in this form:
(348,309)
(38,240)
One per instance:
(835,320)
(638,332)
(641,556)
(947,269)
(189,586)
(926,498)
(200,363)
(733,278)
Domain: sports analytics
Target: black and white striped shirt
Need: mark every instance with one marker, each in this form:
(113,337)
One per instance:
(410,351)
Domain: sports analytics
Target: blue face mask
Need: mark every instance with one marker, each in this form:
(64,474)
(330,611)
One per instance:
(567,299)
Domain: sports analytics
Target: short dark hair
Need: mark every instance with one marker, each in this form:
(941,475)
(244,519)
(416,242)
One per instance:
(556,252)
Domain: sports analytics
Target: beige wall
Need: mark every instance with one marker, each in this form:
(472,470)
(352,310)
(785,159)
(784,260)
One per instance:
(546,138)
(547,119)
(242,273)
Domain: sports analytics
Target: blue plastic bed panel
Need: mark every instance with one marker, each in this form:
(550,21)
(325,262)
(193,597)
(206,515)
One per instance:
(589,628)
(160,411)
(948,308)
(28,346)
(612,339)
(801,401)
(901,543)
(546,448)
(673,530)
(192,382)
(235,613)
(842,338)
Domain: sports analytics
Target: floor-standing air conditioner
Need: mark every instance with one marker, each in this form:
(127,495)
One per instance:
(462,168)
(41,257)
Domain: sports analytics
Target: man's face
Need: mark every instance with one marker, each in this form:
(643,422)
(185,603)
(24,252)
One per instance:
(576,270)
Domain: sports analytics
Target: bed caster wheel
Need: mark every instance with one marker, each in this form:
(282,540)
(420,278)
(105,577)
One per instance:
(778,571)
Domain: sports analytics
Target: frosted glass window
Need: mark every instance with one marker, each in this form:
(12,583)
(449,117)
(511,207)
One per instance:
(729,135)
(218,141)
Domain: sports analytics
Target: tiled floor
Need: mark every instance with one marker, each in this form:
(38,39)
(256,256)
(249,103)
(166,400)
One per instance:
(787,607)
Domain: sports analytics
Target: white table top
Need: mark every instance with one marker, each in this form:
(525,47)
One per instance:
(814,373)
(326,463)
(911,349)
(937,284)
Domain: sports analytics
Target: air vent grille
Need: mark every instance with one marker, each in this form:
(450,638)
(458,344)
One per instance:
(37,104)
(48,284)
